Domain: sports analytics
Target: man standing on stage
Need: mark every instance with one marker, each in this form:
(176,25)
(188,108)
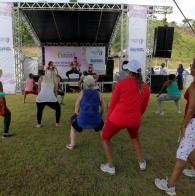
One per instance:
(75,68)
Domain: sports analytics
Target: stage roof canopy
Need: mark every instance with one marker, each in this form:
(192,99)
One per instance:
(72,23)
(72,26)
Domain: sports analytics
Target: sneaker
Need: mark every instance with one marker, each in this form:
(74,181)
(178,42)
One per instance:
(162,184)
(6,135)
(38,126)
(106,168)
(179,112)
(142,165)
(160,113)
(189,172)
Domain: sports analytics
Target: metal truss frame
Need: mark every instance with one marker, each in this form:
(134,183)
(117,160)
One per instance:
(160,10)
(30,29)
(151,11)
(69,6)
(17,39)
(72,44)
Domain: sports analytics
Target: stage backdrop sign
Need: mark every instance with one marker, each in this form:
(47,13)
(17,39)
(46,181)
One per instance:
(137,35)
(62,56)
(7,63)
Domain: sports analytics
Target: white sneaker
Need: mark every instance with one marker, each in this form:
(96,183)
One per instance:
(38,126)
(179,112)
(142,165)
(162,184)
(106,168)
(189,172)
(160,113)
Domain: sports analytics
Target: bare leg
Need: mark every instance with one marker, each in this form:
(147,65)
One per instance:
(177,170)
(192,159)
(138,149)
(159,106)
(108,151)
(24,97)
(72,136)
(177,105)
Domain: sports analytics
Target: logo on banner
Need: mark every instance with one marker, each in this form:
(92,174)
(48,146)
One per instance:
(96,60)
(97,52)
(60,54)
(4,39)
(5,49)
(136,49)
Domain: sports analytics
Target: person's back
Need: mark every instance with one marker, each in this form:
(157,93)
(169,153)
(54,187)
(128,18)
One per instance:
(89,115)
(46,93)
(172,89)
(129,102)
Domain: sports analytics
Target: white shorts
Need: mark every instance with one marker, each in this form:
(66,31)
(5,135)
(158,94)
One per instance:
(187,144)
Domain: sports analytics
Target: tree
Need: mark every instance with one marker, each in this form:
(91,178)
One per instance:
(189,20)
(173,23)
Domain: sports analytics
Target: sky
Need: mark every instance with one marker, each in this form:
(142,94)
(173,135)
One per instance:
(187,6)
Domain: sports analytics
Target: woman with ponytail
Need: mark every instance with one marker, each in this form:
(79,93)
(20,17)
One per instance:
(128,103)
(47,88)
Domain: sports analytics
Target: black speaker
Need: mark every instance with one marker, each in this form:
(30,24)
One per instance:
(110,68)
(157,82)
(163,40)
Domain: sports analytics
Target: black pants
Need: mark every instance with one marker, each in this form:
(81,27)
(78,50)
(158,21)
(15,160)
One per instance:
(7,121)
(76,71)
(53,105)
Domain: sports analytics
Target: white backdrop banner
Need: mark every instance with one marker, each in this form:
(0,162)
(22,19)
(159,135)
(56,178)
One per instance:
(7,63)
(138,35)
(62,56)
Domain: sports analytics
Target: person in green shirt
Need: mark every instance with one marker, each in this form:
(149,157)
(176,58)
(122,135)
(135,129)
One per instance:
(173,94)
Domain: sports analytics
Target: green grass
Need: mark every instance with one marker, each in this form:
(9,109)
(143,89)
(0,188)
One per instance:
(35,161)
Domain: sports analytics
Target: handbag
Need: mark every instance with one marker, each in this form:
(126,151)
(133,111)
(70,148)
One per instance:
(2,106)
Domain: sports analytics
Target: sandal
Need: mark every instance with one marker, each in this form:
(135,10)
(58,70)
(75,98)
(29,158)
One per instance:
(69,147)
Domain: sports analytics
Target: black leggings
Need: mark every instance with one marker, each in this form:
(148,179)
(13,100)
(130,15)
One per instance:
(7,121)
(73,71)
(53,105)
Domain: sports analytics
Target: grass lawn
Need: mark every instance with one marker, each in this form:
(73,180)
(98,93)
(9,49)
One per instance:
(35,161)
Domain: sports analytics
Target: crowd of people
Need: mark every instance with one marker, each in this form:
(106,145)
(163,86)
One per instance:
(129,101)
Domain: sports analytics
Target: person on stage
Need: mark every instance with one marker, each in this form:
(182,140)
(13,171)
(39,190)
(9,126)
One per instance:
(51,66)
(75,68)
(89,72)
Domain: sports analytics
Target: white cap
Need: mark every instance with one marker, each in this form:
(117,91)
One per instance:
(133,66)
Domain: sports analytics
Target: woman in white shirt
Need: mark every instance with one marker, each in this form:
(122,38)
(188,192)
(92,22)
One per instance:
(47,88)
